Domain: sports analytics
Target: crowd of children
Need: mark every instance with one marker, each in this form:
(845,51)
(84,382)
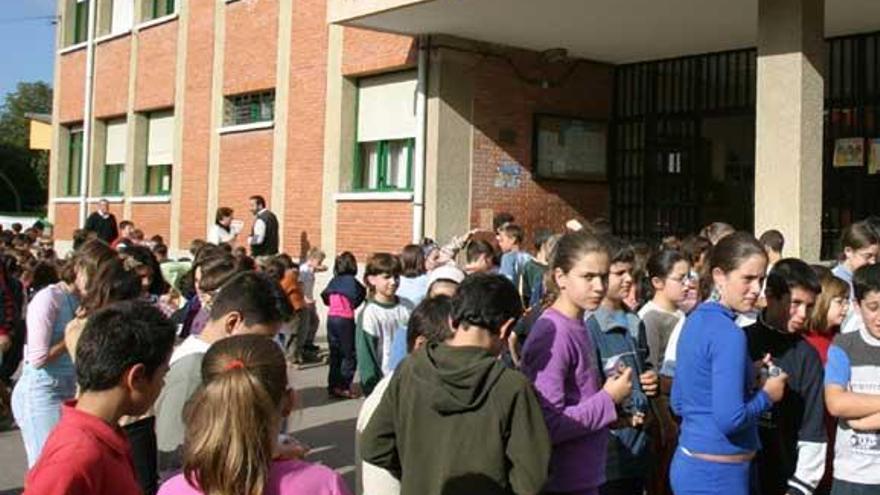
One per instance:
(709,364)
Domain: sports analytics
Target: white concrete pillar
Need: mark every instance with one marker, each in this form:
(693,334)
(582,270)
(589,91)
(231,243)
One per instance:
(788,161)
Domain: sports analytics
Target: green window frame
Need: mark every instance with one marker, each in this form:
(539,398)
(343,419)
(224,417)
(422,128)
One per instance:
(80,21)
(74,163)
(375,165)
(114,178)
(158,180)
(161,8)
(249,108)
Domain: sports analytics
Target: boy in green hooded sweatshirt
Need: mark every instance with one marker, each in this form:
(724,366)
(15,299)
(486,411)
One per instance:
(454,419)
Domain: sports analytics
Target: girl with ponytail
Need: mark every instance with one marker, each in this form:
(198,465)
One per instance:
(232,425)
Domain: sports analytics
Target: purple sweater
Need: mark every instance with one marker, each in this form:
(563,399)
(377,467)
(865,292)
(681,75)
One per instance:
(559,358)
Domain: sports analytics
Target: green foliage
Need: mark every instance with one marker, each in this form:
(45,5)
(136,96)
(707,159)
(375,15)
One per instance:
(23,166)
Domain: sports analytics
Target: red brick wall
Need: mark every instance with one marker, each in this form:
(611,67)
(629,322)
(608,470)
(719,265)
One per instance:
(72,86)
(197,121)
(111,77)
(371,51)
(152,218)
(67,219)
(365,227)
(503,102)
(245,170)
(156,67)
(251,46)
(305,130)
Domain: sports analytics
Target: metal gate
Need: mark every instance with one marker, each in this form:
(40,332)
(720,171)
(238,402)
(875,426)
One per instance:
(658,160)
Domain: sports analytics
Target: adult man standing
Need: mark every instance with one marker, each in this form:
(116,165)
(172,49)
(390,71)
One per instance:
(103,223)
(264,233)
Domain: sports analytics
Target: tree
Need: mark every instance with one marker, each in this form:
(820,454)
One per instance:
(28,97)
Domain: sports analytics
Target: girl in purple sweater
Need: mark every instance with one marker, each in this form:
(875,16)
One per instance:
(559,359)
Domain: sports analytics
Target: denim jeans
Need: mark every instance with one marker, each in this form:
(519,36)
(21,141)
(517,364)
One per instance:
(36,406)
(343,359)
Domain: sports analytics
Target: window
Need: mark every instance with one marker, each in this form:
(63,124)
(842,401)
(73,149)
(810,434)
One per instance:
(80,21)
(568,148)
(74,161)
(386,130)
(160,153)
(159,8)
(249,108)
(122,12)
(114,157)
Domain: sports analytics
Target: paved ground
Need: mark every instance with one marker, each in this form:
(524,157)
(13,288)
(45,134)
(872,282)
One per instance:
(327,426)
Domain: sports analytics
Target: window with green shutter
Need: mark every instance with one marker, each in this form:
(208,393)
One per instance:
(160,8)
(80,22)
(74,161)
(249,108)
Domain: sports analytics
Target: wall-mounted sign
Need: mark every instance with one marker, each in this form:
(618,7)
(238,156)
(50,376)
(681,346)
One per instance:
(570,148)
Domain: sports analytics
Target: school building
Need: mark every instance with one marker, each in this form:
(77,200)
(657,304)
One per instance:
(369,123)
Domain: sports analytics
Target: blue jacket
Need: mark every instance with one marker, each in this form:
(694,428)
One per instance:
(621,334)
(348,286)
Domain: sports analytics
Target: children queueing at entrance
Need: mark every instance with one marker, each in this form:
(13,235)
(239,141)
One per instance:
(665,288)
(620,340)
(121,361)
(454,419)
(560,359)
(232,428)
(861,246)
(384,315)
(852,392)
(513,259)
(309,322)
(828,313)
(713,390)
(343,295)
(793,441)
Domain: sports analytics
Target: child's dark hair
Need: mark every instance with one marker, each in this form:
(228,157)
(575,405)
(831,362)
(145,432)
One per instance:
(412,260)
(274,268)
(477,248)
(379,264)
(790,273)
(568,251)
(118,337)
(500,219)
(345,264)
(513,231)
(859,235)
(216,271)
(144,256)
(112,283)
(659,265)
(486,301)
(619,250)
(160,250)
(430,320)
(727,255)
(773,239)
(693,248)
(866,279)
(258,298)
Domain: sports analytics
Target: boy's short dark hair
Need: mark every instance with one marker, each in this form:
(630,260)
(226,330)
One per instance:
(118,337)
(258,298)
(477,248)
(125,223)
(866,280)
(486,301)
(541,236)
(620,250)
(790,273)
(430,320)
(345,264)
(513,231)
(381,263)
(259,200)
(500,219)
(773,239)
(694,246)
(160,250)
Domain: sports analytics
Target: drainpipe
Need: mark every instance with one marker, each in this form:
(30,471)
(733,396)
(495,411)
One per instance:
(85,166)
(418,221)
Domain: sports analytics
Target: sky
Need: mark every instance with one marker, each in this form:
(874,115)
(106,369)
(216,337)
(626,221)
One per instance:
(28,44)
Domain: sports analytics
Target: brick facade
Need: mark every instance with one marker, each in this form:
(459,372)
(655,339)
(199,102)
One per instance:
(152,218)
(245,170)
(156,67)
(73,86)
(365,227)
(251,46)
(112,59)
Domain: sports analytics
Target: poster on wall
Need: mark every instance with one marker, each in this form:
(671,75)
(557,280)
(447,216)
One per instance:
(570,148)
(849,152)
(874,157)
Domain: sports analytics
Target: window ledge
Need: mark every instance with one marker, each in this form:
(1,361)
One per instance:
(158,198)
(110,199)
(156,21)
(246,127)
(373,196)
(112,36)
(66,200)
(73,48)
(230,1)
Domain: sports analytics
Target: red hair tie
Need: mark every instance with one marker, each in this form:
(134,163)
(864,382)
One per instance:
(235,364)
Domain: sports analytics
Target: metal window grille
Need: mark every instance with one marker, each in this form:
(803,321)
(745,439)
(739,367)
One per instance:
(249,108)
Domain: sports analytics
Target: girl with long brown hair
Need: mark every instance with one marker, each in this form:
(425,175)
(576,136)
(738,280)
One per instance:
(232,425)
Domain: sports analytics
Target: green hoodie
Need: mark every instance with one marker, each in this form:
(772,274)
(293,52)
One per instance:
(454,420)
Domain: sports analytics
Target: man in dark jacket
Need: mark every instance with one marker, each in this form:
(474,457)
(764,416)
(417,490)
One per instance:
(454,419)
(103,223)
(264,233)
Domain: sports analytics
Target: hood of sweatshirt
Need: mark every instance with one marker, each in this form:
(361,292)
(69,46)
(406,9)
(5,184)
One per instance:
(459,378)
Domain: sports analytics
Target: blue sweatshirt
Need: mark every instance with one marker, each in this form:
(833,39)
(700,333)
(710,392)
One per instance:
(713,387)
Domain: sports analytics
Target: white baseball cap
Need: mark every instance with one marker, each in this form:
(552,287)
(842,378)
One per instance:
(446,272)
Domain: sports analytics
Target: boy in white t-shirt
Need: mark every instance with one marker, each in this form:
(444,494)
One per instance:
(309,321)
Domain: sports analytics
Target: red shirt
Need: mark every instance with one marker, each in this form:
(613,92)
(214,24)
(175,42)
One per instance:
(83,455)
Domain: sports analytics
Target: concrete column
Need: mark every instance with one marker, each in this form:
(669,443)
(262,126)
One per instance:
(788,161)
(179,104)
(282,105)
(338,135)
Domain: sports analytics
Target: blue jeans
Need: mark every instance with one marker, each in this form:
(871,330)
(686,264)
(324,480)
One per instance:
(36,406)
(343,359)
(691,476)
